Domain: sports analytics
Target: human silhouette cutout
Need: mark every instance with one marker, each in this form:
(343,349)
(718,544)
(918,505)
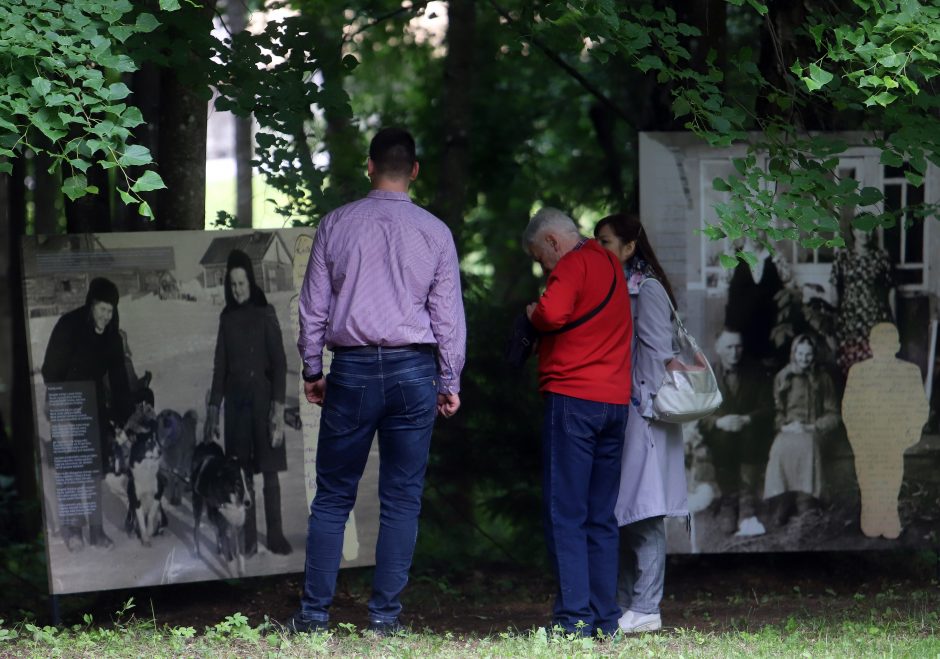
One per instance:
(884,409)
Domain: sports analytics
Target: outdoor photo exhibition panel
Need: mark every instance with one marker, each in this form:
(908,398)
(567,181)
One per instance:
(187,401)
(827,359)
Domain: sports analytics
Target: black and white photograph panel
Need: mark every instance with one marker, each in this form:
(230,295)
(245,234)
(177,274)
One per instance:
(828,436)
(175,442)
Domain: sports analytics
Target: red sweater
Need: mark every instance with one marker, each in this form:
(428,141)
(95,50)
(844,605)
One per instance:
(591,361)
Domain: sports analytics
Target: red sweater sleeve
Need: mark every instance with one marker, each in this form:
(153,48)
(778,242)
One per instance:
(557,304)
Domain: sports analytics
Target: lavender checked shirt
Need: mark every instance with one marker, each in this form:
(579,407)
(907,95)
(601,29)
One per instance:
(383,272)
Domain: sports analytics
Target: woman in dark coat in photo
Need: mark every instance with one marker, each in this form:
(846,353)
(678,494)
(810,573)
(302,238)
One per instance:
(250,375)
(86,345)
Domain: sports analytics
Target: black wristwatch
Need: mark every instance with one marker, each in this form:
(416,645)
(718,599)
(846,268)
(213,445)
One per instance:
(316,377)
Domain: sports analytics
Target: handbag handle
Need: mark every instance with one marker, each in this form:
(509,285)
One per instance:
(590,314)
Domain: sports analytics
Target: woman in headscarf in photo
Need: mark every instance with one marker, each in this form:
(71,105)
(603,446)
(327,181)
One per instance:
(86,345)
(807,411)
(250,377)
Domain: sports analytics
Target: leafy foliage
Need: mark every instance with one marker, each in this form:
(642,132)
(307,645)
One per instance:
(277,76)
(872,59)
(63,62)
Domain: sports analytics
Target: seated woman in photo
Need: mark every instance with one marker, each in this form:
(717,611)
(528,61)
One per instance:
(807,411)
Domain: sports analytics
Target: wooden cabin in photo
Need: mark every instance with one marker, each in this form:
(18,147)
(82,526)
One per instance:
(270,259)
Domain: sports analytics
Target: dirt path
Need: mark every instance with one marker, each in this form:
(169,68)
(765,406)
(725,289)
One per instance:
(708,593)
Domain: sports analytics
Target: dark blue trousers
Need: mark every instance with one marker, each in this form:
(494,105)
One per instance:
(582,442)
(392,392)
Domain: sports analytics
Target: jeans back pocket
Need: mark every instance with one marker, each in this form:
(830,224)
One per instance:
(419,398)
(342,405)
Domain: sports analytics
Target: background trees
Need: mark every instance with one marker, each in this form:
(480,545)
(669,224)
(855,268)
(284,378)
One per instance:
(513,102)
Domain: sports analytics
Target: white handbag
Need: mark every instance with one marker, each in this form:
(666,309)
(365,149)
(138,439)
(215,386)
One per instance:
(689,390)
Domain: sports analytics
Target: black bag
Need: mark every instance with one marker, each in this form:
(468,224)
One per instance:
(524,335)
(521,341)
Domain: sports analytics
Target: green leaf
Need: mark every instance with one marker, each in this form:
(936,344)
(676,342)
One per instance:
(135,155)
(909,84)
(728,262)
(74,186)
(169,5)
(126,197)
(149,181)
(131,117)
(811,85)
(144,209)
(146,23)
(121,32)
(79,164)
(868,196)
(721,185)
(819,75)
(748,257)
(680,107)
(891,158)
(117,91)
(865,221)
(42,86)
(884,99)
(914,179)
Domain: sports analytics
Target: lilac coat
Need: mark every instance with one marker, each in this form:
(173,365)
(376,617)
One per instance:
(652,476)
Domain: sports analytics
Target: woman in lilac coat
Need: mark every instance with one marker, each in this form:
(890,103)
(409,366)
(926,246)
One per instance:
(652,478)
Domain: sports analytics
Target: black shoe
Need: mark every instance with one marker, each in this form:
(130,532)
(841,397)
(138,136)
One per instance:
(383,629)
(297,624)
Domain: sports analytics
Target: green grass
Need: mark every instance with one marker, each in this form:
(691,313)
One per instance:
(879,633)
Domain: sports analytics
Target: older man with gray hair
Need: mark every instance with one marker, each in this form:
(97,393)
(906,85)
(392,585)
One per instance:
(584,375)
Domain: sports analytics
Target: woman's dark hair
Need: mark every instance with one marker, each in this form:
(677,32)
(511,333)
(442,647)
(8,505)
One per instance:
(628,228)
(238,259)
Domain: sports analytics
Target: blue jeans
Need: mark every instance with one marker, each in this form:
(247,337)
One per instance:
(581,443)
(642,565)
(394,392)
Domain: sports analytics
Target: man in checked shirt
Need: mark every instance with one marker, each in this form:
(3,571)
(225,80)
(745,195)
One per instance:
(382,291)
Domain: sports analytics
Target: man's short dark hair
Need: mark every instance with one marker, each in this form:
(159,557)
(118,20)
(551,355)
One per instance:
(392,151)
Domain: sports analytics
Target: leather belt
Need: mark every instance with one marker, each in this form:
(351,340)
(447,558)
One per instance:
(427,348)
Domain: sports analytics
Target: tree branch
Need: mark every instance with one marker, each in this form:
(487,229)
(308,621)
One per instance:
(567,68)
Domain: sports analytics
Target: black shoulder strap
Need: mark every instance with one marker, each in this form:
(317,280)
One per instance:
(590,314)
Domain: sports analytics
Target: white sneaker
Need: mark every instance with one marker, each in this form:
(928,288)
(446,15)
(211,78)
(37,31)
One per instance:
(632,622)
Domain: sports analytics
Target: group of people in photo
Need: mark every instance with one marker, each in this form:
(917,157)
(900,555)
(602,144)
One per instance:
(782,375)
(382,292)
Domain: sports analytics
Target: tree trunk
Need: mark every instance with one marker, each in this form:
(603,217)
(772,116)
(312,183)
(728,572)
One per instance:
(92,212)
(184,110)
(13,224)
(146,85)
(603,120)
(451,196)
(449,204)
(244,146)
(341,138)
(47,190)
